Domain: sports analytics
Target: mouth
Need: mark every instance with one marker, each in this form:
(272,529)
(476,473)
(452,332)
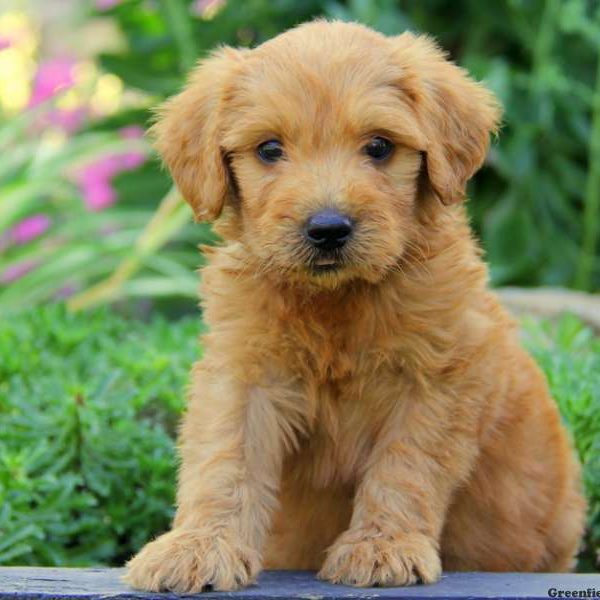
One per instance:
(325,264)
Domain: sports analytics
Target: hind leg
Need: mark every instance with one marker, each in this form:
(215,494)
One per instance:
(515,516)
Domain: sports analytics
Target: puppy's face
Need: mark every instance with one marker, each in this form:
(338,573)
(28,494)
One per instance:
(322,141)
(325,163)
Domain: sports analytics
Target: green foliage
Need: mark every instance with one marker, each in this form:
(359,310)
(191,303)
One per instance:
(83,246)
(540,58)
(569,354)
(89,405)
(165,39)
(535,206)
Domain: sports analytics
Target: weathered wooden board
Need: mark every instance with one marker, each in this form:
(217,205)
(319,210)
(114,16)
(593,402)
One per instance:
(25,583)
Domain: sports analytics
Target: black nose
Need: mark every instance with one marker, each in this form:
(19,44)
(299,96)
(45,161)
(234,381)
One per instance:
(328,230)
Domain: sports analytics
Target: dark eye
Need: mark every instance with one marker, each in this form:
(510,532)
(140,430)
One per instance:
(379,148)
(270,151)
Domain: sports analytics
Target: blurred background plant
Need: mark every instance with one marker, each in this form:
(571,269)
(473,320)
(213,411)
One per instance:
(79,187)
(88,216)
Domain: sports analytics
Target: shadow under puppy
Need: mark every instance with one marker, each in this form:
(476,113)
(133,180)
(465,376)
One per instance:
(363,406)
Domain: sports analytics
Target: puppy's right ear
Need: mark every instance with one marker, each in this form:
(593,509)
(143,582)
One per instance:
(187,134)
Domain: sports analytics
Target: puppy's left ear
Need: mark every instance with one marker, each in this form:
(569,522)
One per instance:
(457,115)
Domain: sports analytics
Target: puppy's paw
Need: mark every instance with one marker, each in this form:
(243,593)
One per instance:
(367,559)
(189,560)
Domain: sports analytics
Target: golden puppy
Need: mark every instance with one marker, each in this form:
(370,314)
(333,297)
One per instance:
(363,406)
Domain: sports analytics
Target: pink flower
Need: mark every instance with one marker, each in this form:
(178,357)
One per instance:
(68,120)
(132,160)
(94,182)
(30,228)
(5,42)
(95,179)
(132,132)
(18,270)
(52,76)
(106,4)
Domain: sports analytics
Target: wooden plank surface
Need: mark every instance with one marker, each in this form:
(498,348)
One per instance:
(34,583)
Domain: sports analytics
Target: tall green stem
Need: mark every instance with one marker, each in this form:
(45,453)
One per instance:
(591,216)
(179,23)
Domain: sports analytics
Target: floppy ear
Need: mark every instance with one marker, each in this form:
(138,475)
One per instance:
(457,115)
(187,134)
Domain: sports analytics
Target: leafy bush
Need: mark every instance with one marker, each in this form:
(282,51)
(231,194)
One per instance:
(569,354)
(536,205)
(543,177)
(89,405)
(54,242)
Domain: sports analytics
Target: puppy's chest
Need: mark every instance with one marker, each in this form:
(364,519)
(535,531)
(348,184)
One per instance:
(330,352)
(345,421)
(350,386)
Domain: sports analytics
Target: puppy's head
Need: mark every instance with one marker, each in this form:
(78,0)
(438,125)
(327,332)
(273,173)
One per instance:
(322,143)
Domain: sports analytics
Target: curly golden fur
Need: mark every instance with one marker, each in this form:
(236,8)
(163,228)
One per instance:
(376,420)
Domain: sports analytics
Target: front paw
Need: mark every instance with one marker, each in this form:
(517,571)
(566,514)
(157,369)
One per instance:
(366,558)
(189,560)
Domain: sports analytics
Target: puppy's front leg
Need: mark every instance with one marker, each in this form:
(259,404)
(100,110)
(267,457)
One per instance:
(401,502)
(231,459)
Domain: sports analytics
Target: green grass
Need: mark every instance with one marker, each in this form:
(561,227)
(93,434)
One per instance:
(89,405)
